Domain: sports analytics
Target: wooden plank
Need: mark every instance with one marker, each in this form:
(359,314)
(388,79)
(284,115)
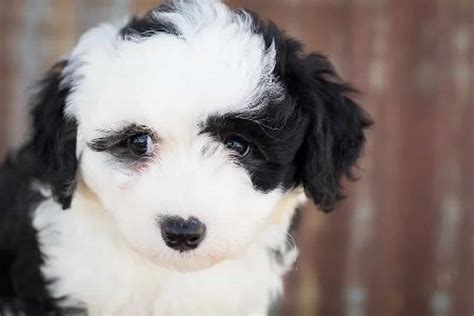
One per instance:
(8,17)
(448,172)
(414,53)
(325,26)
(463,39)
(367,53)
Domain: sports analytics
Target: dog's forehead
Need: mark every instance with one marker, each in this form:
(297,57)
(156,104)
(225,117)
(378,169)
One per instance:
(164,79)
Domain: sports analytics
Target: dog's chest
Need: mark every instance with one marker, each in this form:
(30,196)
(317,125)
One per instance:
(228,288)
(90,267)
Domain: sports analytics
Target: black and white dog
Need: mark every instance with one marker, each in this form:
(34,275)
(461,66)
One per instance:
(168,154)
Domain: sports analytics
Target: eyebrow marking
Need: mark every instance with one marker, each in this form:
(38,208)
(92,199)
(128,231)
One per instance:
(115,143)
(113,138)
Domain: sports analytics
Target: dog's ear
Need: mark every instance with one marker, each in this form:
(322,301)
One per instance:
(335,134)
(51,152)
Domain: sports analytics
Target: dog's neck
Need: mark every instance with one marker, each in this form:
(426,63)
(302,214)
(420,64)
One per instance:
(92,264)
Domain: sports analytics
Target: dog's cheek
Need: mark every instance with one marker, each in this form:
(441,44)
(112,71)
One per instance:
(140,229)
(233,211)
(104,177)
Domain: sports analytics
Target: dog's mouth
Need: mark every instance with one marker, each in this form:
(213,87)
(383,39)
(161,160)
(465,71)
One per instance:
(195,260)
(189,261)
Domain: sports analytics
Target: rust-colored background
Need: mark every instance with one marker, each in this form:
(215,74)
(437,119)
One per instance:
(403,241)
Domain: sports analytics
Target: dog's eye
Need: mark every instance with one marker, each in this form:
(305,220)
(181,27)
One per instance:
(140,144)
(238,145)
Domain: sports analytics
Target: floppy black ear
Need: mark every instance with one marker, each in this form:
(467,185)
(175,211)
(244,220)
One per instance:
(335,135)
(50,155)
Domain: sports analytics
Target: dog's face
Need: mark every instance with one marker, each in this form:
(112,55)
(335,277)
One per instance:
(190,125)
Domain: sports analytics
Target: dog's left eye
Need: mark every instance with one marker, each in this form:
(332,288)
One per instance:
(140,144)
(238,145)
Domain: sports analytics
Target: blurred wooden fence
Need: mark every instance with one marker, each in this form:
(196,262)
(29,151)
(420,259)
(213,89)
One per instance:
(403,241)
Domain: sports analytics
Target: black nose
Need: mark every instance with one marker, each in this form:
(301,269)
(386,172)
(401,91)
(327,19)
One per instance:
(180,234)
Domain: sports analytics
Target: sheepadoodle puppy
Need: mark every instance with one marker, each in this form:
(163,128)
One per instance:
(166,158)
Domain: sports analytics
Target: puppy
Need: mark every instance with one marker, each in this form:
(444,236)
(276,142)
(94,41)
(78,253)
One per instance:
(167,156)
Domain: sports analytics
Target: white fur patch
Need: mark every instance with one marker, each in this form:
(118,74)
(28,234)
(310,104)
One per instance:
(109,253)
(93,266)
(219,65)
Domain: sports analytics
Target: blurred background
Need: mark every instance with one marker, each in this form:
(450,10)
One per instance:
(402,243)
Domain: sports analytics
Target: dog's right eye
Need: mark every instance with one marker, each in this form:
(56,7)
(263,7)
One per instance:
(140,144)
(238,145)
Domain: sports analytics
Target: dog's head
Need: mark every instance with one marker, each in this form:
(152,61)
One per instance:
(190,125)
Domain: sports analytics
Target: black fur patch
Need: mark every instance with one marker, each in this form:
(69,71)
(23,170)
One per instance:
(276,133)
(49,158)
(22,287)
(313,137)
(115,142)
(335,132)
(149,25)
(50,155)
